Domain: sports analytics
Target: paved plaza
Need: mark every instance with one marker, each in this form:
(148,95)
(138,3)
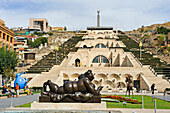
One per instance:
(6,102)
(5,105)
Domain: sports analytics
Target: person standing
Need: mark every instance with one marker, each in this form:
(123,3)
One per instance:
(17,90)
(153,88)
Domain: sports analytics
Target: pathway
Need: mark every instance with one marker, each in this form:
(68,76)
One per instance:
(6,102)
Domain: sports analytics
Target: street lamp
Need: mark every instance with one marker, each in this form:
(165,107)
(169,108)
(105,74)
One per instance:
(56,48)
(140,45)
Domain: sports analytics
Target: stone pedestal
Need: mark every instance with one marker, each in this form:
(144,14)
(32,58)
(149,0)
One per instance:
(94,99)
(70,106)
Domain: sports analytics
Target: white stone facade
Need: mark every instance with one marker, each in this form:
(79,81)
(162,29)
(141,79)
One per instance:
(108,61)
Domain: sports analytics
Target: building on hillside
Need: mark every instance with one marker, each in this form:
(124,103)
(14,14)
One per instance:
(6,36)
(21,32)
(103,53)
(20,46)
(39,24)
(57,29)
(32,38)
(20,28)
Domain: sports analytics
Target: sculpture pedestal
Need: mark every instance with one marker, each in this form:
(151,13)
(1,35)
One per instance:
(70,106)
(93,99)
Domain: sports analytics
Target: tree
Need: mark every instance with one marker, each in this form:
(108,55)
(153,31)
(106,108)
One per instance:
(37,42)
(163,30)
(50,34)
(29,42)
(8,62)
(65,28)
(168,49)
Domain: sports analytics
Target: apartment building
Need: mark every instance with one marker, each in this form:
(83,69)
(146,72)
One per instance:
(6,36)
(38,24)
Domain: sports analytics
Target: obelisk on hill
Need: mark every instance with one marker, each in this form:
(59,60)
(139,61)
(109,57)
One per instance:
(98,18)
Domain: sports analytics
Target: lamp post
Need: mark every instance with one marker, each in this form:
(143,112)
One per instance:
(56,49)
(140,45)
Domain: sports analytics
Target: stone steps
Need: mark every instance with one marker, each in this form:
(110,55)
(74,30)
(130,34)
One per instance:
(44,65)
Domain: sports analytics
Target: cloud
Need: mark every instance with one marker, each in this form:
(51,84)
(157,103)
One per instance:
(77,14)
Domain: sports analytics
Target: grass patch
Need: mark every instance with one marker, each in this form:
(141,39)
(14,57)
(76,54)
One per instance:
(25,105)
(148,104)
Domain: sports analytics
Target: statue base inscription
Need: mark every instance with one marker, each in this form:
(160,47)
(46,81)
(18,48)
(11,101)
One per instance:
(69,106)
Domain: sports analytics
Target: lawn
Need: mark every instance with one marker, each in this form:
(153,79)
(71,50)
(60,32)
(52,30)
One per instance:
(24,105)
(148,104)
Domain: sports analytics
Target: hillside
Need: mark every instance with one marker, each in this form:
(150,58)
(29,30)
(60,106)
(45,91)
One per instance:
(151,28)
(154,39)
(154,27)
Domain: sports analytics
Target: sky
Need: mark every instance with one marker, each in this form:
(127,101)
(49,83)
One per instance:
(80,14)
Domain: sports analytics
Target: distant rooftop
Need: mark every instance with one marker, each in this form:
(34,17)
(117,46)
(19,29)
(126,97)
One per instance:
(99,28)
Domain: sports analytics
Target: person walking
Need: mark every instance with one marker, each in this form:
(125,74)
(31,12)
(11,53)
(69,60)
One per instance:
(17,90)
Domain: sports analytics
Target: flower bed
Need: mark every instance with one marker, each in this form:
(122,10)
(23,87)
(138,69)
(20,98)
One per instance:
(120,98)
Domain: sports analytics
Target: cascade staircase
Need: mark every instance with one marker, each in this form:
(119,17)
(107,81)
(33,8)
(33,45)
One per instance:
(45,64)
(165,71)
(160,68)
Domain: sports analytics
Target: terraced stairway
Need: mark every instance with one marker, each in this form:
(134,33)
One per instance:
(163,71)
(161,68)
(147,59)
(45,64)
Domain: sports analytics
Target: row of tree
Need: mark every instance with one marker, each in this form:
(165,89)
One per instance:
(8,63)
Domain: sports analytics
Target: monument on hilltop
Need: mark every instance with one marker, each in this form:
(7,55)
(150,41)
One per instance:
(98,24)
(98,18)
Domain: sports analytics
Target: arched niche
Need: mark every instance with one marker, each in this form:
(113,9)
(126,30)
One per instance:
(114,78)
(84,46)
(100,38)
(108,84)
(121,85)
(65,76)
(96,83)
(77,62)
(136,77)
(74,77)
(123,77)
(101,77)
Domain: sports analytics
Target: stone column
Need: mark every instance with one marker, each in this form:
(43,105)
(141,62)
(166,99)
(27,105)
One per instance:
(5,41)
(9,43)
(116,30)
(1,36)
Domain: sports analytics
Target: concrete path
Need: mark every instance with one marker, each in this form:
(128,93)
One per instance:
(6,102)
(107,110)
(166,97)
